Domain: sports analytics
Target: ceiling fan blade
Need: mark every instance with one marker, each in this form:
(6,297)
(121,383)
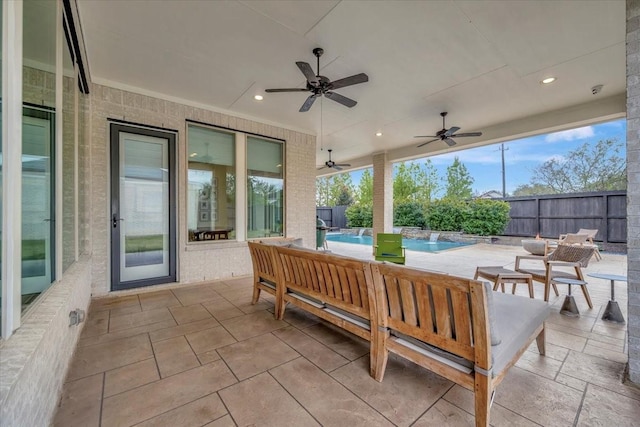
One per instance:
(344,165)
(322,167)
(347,102)
(425,143)
(348,81)
(336,167)
(468,134)
(426,136)
(450,142)
(451,131)
(308,72)
(308,103)
(285,90)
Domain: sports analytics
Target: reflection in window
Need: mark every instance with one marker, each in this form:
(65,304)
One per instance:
(265,184)
(211,198)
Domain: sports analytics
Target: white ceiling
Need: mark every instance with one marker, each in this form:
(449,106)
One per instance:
(482,61)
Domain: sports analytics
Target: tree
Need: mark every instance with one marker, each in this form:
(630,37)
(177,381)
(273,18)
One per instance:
(588,168)
(458,181)
(413,182)
(531,190)
(335,190)
(364,194)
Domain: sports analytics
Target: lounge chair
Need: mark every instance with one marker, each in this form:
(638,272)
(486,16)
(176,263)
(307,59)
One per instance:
(584,237)
(389,248)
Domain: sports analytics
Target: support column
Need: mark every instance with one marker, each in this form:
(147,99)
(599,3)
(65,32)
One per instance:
(382,195)
(633,186)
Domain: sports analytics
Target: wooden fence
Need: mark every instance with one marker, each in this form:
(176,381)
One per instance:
(333,216)
(552,215)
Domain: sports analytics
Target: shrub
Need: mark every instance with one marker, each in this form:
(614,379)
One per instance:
(446,215)
(359,216)
(409,214)
(486,217)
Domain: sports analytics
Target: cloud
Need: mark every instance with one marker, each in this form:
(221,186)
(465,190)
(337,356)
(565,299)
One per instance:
(571,134)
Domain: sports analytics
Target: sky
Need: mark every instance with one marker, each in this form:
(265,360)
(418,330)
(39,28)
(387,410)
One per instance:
(521,156)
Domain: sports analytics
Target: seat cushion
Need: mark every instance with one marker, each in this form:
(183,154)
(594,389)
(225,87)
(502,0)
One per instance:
(517,317)
(494,329)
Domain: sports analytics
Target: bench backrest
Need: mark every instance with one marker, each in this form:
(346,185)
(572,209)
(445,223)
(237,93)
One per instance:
(442,310)
(342,282)
(262,258)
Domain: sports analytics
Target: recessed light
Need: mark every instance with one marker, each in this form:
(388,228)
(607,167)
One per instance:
(193,154)
(548,80)
(378,133)
(258,97)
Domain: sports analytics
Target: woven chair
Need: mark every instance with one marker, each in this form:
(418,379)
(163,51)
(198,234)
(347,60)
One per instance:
(566,261)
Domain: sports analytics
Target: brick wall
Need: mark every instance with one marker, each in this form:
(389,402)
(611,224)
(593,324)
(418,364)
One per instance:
(633,187)
(196,262)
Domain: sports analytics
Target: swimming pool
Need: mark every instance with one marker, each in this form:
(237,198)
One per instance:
(421,245)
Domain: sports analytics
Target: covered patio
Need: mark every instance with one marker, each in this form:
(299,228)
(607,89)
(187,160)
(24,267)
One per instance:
(203,355)
(214,166)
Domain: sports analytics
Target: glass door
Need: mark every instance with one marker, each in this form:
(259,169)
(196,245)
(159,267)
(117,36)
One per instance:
(142,207)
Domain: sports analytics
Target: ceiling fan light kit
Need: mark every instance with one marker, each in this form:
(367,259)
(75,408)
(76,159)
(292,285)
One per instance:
(333,165)
(447,135)
(320,85)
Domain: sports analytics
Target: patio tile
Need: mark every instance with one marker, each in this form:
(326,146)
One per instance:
(563,339)
(104,357)
(250,357)
(319,354)
(269,405)
(571,381)
(159,299)
(552,351)
(500,416)
(605,353)
(195,413)
(299,318)
(80,403)
(559,321)
(153,399)
(246,307)
(125,310)
(174,355)
(130,376)
(338,406)
(611,330)
(125,333)
(596,370)
(225,421)
(405,393)
(175,331)
(347,345)
(139,319)
(209,339)
(196,294)
(190,313)
(538,398)
(208,357)
(97,323)
(252,325)
(223,310)
(100,304)
(601,407)
(444,413)
(541,365)
(240,282)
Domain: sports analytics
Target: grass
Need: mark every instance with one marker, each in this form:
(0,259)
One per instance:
(148,243)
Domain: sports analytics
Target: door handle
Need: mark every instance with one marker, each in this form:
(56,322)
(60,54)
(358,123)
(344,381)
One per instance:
(115,220)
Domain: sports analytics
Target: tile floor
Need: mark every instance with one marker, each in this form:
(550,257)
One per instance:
(203,355)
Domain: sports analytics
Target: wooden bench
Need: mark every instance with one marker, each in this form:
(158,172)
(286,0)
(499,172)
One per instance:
(448,324)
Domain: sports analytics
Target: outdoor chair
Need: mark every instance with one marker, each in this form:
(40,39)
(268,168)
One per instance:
(389,248)
(586,239)
(565,262)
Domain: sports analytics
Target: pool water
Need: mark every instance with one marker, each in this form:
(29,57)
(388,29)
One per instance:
(421,245)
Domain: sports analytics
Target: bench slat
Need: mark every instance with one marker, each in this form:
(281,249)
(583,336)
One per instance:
(408,302)
(461,317)
(441,306)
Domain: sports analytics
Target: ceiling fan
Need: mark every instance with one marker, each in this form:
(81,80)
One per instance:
(333,165)
(446,134)
(320,85)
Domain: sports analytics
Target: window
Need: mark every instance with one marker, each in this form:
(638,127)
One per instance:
(265,185)
(211,198)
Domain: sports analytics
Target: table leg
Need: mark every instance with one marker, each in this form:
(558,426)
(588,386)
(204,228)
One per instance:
(612,312)
(569,306)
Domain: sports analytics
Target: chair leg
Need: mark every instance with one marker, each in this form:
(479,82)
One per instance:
(555,289)
(379,356)
(513,288)
(540,341)
(256,294)
(585,291)
(530,285)
(482,395)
